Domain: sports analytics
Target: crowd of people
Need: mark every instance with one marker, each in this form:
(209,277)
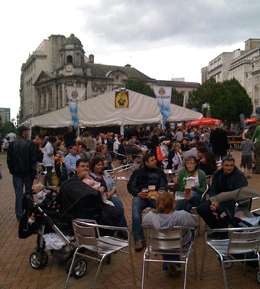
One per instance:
(83,164)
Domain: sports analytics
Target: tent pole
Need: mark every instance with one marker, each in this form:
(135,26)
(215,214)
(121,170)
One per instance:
(121,128)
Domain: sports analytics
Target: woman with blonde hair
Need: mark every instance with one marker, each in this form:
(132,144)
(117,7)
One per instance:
(174,157)
(164,219)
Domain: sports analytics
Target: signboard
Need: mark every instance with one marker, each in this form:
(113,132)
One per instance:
(121,99)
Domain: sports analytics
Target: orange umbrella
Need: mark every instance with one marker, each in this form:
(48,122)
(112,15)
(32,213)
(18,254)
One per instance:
(204,121)
(250,120)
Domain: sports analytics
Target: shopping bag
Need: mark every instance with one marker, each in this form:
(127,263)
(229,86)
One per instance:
(159,154)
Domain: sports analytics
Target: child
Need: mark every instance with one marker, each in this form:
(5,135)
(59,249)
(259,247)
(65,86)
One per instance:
(165,218)
(247,148)
(90,182)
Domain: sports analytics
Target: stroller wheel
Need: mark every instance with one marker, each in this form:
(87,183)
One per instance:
(227,265)
(79,268)
(258,276)
(45,259)
(36,260)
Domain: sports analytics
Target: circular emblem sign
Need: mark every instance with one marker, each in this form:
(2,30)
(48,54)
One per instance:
(74,94)
(161,91)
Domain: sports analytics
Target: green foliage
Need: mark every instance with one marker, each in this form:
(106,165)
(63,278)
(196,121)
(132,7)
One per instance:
(7,127)
(227,99)
(177,97)
(140,87)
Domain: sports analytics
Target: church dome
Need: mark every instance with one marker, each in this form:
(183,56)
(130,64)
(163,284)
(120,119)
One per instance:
(73,40)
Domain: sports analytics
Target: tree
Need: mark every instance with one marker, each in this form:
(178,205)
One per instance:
(139,86)
(227,99)
(177,97)
(7,127)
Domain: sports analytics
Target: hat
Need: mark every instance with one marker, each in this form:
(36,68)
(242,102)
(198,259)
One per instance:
(22,128)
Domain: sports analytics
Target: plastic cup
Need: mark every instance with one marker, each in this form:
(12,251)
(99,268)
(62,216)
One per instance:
(187,193)
(151,189)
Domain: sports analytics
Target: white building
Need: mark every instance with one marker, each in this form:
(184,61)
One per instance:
(241,65)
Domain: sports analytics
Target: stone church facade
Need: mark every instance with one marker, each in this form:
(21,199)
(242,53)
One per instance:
(59,62)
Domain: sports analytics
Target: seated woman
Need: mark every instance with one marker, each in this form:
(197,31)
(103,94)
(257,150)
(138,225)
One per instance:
(208,164)
(190,170)
(174,157)
(106,181)
(165,218)
(185,144)
(105,156)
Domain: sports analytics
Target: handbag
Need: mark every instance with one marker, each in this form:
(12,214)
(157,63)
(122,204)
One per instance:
(159,154)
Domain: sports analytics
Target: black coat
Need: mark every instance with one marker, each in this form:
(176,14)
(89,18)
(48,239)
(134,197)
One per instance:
(218,138)
(21,157)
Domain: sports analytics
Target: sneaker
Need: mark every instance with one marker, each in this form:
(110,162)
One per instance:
(174,270)
(139,245)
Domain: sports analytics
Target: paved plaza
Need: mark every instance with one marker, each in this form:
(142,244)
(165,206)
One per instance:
(16,272)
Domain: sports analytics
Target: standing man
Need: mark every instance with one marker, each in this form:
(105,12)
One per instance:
(256,136)
(69,137)
(148,175)
(228,178)
(218,139)
(21,161)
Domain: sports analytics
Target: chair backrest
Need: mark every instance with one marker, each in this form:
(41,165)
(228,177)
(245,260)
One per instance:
(165,242)
(244,241)
(86,233)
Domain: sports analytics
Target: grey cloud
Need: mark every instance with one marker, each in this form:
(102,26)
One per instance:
(140,24)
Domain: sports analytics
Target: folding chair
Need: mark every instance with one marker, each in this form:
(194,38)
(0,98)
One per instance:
(241,241)
(124,172)
(169,243)
(87,237)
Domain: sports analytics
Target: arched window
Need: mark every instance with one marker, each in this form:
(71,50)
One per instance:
(69,59)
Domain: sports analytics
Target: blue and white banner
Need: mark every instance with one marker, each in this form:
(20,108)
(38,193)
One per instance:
(74,95)
(163,96)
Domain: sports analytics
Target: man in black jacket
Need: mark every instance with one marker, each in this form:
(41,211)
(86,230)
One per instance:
(21,161)
(148,175)
(228,178)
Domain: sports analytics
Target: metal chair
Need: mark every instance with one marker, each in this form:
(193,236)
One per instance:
(169,243)
(241,241)
(87,237)
(194,209)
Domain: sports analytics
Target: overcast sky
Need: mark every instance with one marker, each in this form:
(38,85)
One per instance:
(163,39)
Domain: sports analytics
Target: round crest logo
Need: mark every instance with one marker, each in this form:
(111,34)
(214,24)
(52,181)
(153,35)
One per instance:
(161,91)
(74,94)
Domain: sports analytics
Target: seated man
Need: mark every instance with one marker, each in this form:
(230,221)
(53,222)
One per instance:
(70,160)
(141,178)
(133,149)
(79,200)
(228,178)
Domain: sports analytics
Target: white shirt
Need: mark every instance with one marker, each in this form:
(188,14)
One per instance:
(48,161)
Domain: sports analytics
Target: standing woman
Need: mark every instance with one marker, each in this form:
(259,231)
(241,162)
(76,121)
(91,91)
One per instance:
(155,141)
(256,136)
(174,157)
(48,159)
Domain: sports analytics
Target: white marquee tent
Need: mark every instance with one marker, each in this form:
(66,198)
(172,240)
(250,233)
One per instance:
(101,111)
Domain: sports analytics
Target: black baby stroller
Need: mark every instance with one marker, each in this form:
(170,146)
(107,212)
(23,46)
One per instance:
(238,213)
(43,218)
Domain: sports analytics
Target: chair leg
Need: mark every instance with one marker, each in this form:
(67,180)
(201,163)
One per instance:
(203,260)
(143,272)
(244,265)
(100,263)
(224,272)
(185,272)
(132,264)
(72,263)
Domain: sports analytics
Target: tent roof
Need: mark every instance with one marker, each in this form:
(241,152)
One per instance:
(101,111)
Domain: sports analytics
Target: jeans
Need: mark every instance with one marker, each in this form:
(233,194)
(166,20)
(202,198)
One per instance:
(186,205)
(138,205)
(47,178)
(18,181)
(118,205)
